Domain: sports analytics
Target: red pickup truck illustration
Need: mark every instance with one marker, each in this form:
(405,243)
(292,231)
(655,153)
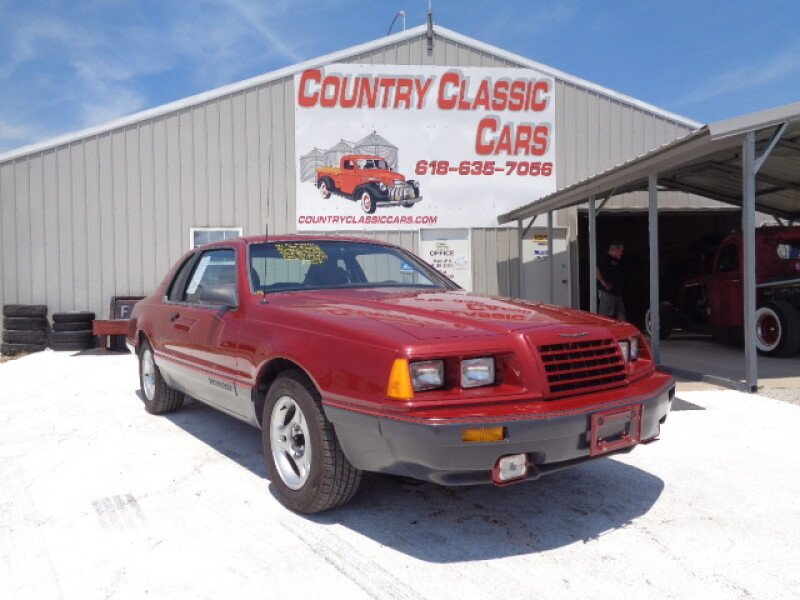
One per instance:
(369,180)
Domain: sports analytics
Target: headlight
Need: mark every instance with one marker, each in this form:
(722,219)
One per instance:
(427,374)
(634,348)
(382,186)
(477,372)
(625,348)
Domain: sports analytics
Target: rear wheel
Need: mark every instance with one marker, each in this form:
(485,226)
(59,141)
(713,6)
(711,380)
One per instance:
(778,329)
(306,465)
(159,398)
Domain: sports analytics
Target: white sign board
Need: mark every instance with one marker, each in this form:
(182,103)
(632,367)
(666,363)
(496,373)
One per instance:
(472,142)
(450,252)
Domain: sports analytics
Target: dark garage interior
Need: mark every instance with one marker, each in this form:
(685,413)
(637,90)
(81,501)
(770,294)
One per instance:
(687,239)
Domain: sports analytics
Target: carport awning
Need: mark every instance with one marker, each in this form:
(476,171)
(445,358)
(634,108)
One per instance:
(707,162)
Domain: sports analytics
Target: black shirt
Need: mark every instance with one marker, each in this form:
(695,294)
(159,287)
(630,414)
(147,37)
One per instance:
(611,269)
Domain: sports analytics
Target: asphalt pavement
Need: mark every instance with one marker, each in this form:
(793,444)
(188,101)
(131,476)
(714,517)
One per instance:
(99,499)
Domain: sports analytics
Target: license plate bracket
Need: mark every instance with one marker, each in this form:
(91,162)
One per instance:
(615,429)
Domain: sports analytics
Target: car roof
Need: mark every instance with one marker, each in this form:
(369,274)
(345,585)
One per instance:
(259,239)
(358,156)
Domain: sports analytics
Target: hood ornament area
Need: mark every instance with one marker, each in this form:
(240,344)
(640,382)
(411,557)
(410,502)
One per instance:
(573,335)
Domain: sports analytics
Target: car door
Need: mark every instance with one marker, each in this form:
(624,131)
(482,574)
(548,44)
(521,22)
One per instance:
(726,288)
(202,338)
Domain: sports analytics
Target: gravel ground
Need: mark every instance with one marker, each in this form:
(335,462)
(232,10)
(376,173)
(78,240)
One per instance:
(791,395)
(99,499)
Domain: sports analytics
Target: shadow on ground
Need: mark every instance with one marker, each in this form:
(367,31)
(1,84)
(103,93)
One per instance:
(444,525)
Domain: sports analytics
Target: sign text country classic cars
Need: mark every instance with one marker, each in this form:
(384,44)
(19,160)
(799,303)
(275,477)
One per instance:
(404,147)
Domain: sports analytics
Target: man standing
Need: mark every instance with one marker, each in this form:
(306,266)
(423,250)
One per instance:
(610,284)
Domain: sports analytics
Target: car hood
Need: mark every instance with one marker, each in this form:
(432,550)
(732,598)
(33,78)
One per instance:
(383,174)
(429,315)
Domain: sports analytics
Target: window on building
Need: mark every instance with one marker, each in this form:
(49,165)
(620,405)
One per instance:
(199,236)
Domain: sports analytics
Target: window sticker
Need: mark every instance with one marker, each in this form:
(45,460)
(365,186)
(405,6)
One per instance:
(406,268)
(307,252)
(198,274)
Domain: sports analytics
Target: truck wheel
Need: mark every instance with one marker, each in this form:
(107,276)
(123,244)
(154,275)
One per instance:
(306,464)
(159,398)
(323,189)
(665,324)
(778,329)
(367,202)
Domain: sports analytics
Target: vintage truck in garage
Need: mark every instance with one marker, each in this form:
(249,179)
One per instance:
(368,180)
(712,303)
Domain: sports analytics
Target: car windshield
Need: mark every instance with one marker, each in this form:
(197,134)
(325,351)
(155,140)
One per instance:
(372,163)
(287,266)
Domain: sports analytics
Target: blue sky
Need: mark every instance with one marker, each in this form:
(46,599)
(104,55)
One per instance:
(71,64)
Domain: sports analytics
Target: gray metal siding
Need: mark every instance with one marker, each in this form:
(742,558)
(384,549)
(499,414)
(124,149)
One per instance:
(108,214)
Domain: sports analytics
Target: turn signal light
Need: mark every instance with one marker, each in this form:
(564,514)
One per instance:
(399,386)
(483,434)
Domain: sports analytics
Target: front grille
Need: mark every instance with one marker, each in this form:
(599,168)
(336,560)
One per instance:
(585,365)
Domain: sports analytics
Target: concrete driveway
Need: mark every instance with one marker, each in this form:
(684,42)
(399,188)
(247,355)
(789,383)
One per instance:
(99,499)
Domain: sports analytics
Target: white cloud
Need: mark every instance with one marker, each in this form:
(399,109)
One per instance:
(746,77)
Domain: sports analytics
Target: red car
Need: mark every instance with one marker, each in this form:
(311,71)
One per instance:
(354,355)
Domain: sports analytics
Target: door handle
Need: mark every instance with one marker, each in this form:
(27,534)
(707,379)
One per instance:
(174,317)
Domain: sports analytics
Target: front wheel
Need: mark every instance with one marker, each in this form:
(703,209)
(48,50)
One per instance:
(367,202)
(159,398)
(306,465)
(665,324)
(324,191)
(778,329)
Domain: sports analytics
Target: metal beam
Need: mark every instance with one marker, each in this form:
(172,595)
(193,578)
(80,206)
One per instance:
(762,177)
(749,263)
(550,261)
(773,140)
(674,185)
(592,256)
(655,316)
(521,293)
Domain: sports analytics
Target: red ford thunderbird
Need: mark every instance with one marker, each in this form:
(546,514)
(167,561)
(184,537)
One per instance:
(354,355)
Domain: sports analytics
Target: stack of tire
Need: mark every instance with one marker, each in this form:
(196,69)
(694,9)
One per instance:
(72,331)
(24,329)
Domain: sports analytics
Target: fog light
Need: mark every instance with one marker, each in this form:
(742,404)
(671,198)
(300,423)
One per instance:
(509,468)
(625,349)
(483,434)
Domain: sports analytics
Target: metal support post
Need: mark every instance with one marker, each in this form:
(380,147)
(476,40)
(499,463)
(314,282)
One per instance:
(749,258)
(550,260)
(655,316)
(592,256)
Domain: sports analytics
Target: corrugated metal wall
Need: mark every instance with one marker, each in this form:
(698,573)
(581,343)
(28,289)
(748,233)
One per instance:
(107,215)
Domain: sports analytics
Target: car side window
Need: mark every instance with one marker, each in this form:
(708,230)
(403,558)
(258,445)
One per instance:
(213,279)
(175,289)
(348,164)
(728,259)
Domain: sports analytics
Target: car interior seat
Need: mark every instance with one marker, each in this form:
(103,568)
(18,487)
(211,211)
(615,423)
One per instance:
(326,274)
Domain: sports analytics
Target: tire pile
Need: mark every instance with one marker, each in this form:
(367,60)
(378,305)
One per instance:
(72,331)
(25,329)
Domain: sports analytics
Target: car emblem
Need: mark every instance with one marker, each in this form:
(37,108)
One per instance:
(579,334)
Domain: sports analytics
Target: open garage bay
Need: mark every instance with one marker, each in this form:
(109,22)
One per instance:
(99,499)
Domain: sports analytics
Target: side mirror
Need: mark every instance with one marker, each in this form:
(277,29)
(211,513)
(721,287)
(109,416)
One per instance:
(223,295)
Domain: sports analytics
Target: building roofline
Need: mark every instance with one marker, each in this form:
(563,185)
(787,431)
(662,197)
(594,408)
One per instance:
(328,59)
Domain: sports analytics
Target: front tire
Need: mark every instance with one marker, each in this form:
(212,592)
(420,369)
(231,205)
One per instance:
(778,329)
(665,324)
(306,465)
(324,191)
(367,202)
(159,398)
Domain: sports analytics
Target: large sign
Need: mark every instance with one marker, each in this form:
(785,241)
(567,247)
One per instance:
(410,147)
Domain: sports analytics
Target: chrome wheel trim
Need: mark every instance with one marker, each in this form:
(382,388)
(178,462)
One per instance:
(768,330)
(323,190)
(290,442)
(366,202)
(148,374)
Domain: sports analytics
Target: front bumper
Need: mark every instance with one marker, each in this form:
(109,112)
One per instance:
(434,451)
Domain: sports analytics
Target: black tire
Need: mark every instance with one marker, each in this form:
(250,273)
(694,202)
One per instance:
(22,336)
(25,310)
(73,317)
(72,346)
(8,349)
(332,480)
(25,323)
(366,200)
(325,187)
(81,326)
(783,340)
(665,324)
(164,399)
(72,336)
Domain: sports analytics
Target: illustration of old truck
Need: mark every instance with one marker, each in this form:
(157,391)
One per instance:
(369,180)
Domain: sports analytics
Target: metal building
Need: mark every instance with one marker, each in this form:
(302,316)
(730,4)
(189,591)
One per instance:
(107,210)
